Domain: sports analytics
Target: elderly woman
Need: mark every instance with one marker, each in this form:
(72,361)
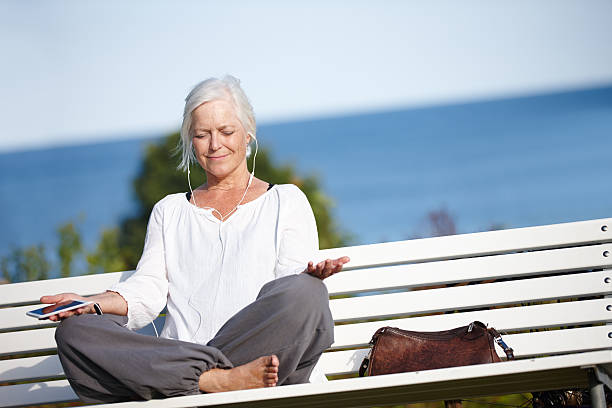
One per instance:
(231,260)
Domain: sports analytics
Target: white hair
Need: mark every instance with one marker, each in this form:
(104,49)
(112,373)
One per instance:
(228,88)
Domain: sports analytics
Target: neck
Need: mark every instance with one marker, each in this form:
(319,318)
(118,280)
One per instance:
(237,180)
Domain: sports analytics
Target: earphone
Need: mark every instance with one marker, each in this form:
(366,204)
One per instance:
(223,217)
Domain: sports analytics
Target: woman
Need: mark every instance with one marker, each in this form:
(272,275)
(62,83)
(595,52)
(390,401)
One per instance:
(233,261)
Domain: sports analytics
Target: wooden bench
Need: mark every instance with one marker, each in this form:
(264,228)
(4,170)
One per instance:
(547,287)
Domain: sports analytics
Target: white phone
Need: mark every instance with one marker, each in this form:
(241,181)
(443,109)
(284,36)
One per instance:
(55,309)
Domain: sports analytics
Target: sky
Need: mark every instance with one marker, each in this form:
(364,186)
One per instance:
(76,72)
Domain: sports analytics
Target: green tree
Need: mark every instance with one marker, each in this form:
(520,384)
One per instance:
(159,176)
(69,248)
(26,264)
(32,263)
(106,257)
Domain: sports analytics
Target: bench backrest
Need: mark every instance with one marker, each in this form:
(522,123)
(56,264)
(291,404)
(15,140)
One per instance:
(546,286)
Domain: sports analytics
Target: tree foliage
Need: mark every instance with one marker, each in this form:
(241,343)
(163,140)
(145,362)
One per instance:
(70,247)
(25,264)
(106,257)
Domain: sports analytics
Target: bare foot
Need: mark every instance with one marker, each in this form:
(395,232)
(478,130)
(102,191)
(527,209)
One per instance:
(262,372)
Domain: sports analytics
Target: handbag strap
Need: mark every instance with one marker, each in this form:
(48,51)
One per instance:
(366,361)
(498,339)
(364,364)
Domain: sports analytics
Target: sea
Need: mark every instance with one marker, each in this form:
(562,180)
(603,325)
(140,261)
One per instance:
(503,163)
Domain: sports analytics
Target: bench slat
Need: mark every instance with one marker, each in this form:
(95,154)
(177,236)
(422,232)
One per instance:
(411,251)
(509,377)
(15,294)
(476,244)
(436,300)
(473,296)
(506,319)
(36,393)
(358,335)
(524,345)
(43,339)
(470,269)
(405,276)
(28,341)
(15,318)
(25,369)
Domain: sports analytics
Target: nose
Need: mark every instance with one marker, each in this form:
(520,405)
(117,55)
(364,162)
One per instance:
(215,142)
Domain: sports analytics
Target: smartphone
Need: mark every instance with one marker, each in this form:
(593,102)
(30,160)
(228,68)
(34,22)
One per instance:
(45,312)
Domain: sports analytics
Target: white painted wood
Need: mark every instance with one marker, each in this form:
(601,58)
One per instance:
(30,292)
(334,393)
(476,244)
(24,369)
(457,298)
(524,345)
(13,318)
(432,273)
(36,393)
(559,341)
(491,372)
(432,262)
(43,339)
(470,269)
(505,319)
(27,341)
(456,246)
(358,335)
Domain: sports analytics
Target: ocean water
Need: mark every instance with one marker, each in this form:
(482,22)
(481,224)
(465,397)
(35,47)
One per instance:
(516,162)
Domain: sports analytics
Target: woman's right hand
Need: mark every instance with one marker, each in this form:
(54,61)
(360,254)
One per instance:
(64,298)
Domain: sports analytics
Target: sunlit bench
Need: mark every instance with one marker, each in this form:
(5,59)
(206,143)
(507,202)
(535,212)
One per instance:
(546,286)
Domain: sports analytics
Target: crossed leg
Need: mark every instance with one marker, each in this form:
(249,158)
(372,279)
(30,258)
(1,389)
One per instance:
(276,339)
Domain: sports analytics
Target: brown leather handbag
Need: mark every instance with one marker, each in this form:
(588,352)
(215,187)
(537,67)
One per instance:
(397,351)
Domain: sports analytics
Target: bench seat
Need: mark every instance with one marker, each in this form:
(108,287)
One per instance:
(548,287)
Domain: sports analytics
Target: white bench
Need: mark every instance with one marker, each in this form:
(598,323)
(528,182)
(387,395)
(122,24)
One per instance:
(550,293)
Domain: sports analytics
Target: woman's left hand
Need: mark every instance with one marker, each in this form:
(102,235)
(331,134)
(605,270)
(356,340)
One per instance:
(326,268)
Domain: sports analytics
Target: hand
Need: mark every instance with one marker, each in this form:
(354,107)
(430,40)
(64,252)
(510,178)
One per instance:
(326,268)
(64,298)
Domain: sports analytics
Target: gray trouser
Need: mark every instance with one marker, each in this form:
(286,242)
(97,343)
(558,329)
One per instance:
(106,362)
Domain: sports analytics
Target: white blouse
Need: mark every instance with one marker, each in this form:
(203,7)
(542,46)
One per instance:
(206,270)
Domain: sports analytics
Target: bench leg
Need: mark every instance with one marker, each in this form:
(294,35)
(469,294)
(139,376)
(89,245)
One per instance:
(598,395)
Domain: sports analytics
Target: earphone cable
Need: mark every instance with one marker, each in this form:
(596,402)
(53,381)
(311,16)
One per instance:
(224,217)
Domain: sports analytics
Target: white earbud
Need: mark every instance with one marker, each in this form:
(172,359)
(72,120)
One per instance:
(254,157)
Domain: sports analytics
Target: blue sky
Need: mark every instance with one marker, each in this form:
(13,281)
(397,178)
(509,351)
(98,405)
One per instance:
(84,71)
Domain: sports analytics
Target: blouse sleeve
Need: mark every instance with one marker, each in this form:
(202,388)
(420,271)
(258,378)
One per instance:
(298,238)
(146,290)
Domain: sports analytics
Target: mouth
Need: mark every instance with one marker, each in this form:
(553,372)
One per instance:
(217,157)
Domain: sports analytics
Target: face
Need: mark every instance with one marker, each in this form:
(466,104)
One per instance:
(219,140)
